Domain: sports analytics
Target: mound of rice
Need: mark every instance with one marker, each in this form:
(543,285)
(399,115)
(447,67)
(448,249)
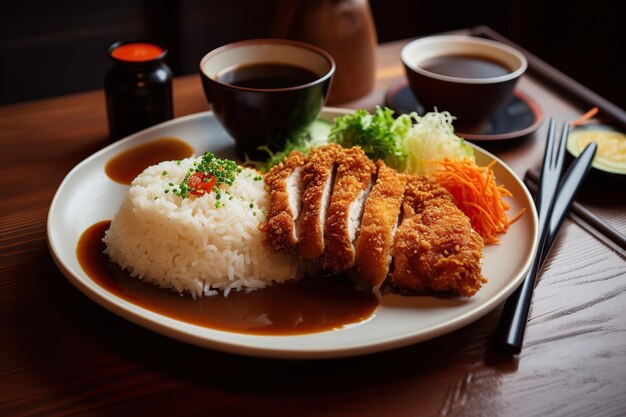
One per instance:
(190,245)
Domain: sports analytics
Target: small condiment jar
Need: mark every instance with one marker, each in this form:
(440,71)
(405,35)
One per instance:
(138,87)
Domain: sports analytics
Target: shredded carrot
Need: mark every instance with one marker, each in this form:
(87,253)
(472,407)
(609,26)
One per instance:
(475,192)
(588,115)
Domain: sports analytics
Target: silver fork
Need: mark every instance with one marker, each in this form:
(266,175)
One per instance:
(553,202)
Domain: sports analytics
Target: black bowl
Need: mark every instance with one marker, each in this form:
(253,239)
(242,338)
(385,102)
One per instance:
(257,116)
(467,89)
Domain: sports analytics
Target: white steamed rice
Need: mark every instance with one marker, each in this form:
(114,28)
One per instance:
(189,245)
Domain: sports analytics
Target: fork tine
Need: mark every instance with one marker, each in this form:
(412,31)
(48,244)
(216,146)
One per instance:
(547,182)
(559,157)
(548,156)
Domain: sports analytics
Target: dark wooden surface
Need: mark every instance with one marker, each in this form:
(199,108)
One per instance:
(61,354)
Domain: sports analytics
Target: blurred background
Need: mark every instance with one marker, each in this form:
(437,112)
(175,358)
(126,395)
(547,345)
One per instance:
(50,48)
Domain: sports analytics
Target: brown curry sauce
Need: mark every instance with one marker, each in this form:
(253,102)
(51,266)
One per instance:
(123,168)
(309,305)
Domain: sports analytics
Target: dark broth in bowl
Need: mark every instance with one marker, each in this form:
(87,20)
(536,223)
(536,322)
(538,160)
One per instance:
(267,76)
(465,66)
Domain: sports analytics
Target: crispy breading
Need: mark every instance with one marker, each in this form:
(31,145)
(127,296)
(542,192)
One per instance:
(353,178)
(380,218)
(280,225)
(435,247)
(317,177)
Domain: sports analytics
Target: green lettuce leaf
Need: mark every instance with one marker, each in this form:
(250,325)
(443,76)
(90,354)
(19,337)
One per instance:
(378,134)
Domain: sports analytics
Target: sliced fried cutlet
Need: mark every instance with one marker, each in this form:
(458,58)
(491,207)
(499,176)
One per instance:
(406,237)
(435,247)
(352,184)
(378,225)
(318,176)
(284,182)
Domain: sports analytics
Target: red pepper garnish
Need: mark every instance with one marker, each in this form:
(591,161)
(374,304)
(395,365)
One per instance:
(201,183)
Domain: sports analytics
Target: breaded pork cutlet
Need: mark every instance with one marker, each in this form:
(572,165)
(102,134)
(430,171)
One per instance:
(318,178)
(284,182)
(352,184)
(435,247)
(378,225)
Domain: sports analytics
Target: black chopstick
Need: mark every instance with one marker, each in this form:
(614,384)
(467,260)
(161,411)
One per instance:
(586,216)
(510,332)
(568,188)
(553,201)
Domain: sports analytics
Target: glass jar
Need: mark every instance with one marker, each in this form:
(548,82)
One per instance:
(138,87)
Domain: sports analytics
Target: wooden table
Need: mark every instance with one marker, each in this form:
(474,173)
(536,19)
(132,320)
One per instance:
(62,354)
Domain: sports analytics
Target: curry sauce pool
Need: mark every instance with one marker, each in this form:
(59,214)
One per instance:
(309,305)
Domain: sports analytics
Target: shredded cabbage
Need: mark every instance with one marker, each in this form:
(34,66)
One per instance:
(408,143)
(431,138)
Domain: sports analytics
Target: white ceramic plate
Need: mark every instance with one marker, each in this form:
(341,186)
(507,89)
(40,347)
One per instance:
(87,196)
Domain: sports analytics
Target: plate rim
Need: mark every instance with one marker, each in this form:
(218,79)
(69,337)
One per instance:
(154,321)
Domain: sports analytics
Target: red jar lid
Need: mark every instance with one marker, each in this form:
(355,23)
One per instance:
(136,51)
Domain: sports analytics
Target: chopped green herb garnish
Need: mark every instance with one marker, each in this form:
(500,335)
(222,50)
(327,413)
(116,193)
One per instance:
(164,173)
(224,171)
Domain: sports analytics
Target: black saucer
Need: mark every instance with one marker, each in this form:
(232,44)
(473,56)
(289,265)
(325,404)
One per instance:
(519,117)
